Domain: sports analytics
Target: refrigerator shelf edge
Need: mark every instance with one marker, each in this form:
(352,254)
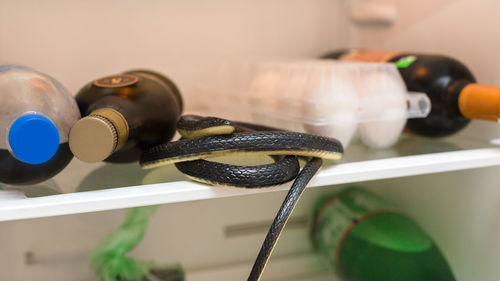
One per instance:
(15,206)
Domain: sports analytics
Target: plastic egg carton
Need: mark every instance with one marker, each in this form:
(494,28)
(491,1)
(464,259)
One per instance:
(329,98)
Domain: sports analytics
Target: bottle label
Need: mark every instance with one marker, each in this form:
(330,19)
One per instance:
(339,214)
(405,62)
(115,81)
(369,55)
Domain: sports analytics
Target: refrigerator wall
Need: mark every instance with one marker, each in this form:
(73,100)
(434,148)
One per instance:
(78,41)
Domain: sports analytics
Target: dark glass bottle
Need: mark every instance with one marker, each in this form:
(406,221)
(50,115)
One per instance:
(365,238)
(36,114)
(451,87)
(124,114)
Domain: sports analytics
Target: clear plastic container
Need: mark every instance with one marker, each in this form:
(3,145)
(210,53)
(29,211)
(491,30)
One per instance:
(334,99)
(36,114)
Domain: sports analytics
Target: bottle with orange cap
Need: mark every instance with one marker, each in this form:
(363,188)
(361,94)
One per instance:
(455,96)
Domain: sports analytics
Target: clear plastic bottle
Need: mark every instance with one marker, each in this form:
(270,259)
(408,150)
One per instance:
(36,114)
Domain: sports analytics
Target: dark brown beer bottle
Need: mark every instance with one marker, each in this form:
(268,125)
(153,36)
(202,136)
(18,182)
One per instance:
(124,114)
(451,87)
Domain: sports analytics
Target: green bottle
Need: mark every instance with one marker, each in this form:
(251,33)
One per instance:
(366,239)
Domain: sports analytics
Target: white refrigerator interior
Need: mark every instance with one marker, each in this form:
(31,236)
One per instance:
(448,185)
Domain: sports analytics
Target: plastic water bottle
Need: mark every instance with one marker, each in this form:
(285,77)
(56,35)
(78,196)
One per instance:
(36,114)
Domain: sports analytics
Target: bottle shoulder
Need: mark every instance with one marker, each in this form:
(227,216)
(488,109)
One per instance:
(432,72)
(434,65)
(144,93)
(162,79)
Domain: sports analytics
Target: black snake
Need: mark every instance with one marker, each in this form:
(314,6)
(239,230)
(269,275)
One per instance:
(206,137)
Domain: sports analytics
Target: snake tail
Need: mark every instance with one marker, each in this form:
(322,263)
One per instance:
(282,217)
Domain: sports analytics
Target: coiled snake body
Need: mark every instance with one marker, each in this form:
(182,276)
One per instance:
(206,137)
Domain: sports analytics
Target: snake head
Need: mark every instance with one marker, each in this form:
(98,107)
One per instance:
(194,126)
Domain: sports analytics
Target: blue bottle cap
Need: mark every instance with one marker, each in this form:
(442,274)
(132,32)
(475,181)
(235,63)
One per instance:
(33,139)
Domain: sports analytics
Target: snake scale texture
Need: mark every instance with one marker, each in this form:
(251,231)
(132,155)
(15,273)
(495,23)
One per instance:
(207,137)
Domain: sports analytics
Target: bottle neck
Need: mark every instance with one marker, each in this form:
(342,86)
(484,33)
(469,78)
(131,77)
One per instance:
(95,137)
(119,123)
(477,101)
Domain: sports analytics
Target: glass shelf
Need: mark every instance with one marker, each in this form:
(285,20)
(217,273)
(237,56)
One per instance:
(85,187)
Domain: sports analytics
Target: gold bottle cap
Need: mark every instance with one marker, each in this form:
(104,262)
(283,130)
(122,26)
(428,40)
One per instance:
(95,137)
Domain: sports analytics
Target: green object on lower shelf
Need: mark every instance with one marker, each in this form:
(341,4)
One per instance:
(365,238)
(109,260)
